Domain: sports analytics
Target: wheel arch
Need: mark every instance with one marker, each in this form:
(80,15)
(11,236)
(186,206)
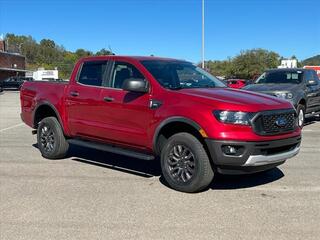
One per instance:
(303,102)
(43,110)
(173,125)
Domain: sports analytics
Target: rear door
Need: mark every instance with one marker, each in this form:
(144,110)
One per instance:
(126,115)
(83,99)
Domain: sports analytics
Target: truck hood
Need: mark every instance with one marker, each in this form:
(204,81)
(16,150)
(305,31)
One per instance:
(272,87)
(234,99)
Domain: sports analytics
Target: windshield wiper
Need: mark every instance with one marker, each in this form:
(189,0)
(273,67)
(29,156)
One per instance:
(175,88)
(207,86)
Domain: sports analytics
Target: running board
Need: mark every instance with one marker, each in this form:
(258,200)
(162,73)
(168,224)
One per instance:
(112,149)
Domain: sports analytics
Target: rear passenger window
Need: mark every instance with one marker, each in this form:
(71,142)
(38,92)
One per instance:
(92,73)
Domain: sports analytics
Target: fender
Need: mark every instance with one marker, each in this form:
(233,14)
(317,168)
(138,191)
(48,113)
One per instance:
(170,120)
(302,98)
(42,103)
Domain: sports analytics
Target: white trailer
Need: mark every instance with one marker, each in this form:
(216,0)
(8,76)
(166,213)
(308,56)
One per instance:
(45,75)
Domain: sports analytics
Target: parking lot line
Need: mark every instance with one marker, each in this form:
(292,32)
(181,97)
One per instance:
(11,127)
(310,130)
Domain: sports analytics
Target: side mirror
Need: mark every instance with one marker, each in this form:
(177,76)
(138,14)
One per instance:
(311,82)
(135,85)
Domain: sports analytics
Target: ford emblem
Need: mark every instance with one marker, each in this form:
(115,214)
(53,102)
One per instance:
(281,122)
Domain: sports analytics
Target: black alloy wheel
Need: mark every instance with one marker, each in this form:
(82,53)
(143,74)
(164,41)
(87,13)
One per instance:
(181,163)
(47,138)
(185,164)
(51,140)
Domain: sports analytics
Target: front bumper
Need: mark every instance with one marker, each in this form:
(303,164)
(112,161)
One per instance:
(252,156)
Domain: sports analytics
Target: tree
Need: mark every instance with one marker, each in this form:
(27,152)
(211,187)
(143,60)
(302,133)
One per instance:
(248,64)
(83,53)
(103,51)
(47,43)
(15,43)
(220,68)
(251,63)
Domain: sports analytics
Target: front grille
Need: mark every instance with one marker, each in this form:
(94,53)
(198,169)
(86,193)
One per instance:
(275,122)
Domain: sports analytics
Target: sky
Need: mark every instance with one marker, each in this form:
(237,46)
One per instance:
(169,28)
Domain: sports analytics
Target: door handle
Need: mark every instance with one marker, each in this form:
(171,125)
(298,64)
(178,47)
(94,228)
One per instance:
(108,99)
(74,94)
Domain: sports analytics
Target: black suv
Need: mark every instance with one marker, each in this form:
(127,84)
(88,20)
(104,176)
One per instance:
(13,82)
(298,85)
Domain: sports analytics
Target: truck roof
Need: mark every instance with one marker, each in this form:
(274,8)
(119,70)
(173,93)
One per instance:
(138,58)
(287,69)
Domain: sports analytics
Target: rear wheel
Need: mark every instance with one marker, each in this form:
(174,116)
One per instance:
(51,141)
(301,113)
(185,164)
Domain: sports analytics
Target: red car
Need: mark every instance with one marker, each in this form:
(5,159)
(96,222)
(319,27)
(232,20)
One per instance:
(237,83)
(158,108)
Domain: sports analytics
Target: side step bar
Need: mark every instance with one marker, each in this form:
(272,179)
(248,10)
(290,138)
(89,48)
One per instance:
(113,149)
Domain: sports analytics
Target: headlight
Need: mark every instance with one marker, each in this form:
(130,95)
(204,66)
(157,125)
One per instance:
(284,95)
(241,118)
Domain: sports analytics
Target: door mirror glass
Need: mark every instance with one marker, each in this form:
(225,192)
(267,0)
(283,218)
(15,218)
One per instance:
(135,85)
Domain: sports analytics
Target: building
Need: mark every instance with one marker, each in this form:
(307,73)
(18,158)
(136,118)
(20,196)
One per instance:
(288,63)
(11,64)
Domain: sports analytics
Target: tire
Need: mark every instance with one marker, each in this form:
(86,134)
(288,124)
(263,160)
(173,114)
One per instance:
(51,141)
(301,110)
(192,161)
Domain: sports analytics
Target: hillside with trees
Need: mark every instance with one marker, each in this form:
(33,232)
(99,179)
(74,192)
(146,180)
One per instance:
(47,53)
(313,61)
(247,64)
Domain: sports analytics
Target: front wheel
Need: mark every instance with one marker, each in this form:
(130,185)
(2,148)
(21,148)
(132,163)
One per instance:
(185,164)
(301,112)
(51,140)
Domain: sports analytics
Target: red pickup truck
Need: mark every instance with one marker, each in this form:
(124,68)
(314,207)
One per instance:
(148,107)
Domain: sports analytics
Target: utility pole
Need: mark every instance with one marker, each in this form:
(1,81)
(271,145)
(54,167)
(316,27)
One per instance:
(203,34)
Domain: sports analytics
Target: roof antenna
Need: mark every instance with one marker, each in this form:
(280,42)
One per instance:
(203,62)
(110,49)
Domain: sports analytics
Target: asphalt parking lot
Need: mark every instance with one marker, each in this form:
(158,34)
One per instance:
(98,195)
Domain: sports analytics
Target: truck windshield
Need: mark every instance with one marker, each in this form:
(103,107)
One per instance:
(291,77)
(179,74)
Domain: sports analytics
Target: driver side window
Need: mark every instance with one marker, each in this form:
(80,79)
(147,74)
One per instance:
(123,71)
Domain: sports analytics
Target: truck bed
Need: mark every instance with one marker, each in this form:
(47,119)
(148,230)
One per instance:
(34,93)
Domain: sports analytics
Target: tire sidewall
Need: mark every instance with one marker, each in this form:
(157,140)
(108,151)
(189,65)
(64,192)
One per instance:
(195,184)
(56,128)
(299,108)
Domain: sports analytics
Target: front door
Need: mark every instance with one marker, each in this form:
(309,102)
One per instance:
(127,115)
(313,91)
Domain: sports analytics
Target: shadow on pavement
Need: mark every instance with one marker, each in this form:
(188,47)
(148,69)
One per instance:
(311,120)
(148,169)
(246,181)
(116,162)
(10,90)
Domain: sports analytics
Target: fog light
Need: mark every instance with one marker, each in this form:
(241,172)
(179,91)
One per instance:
(232,150)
